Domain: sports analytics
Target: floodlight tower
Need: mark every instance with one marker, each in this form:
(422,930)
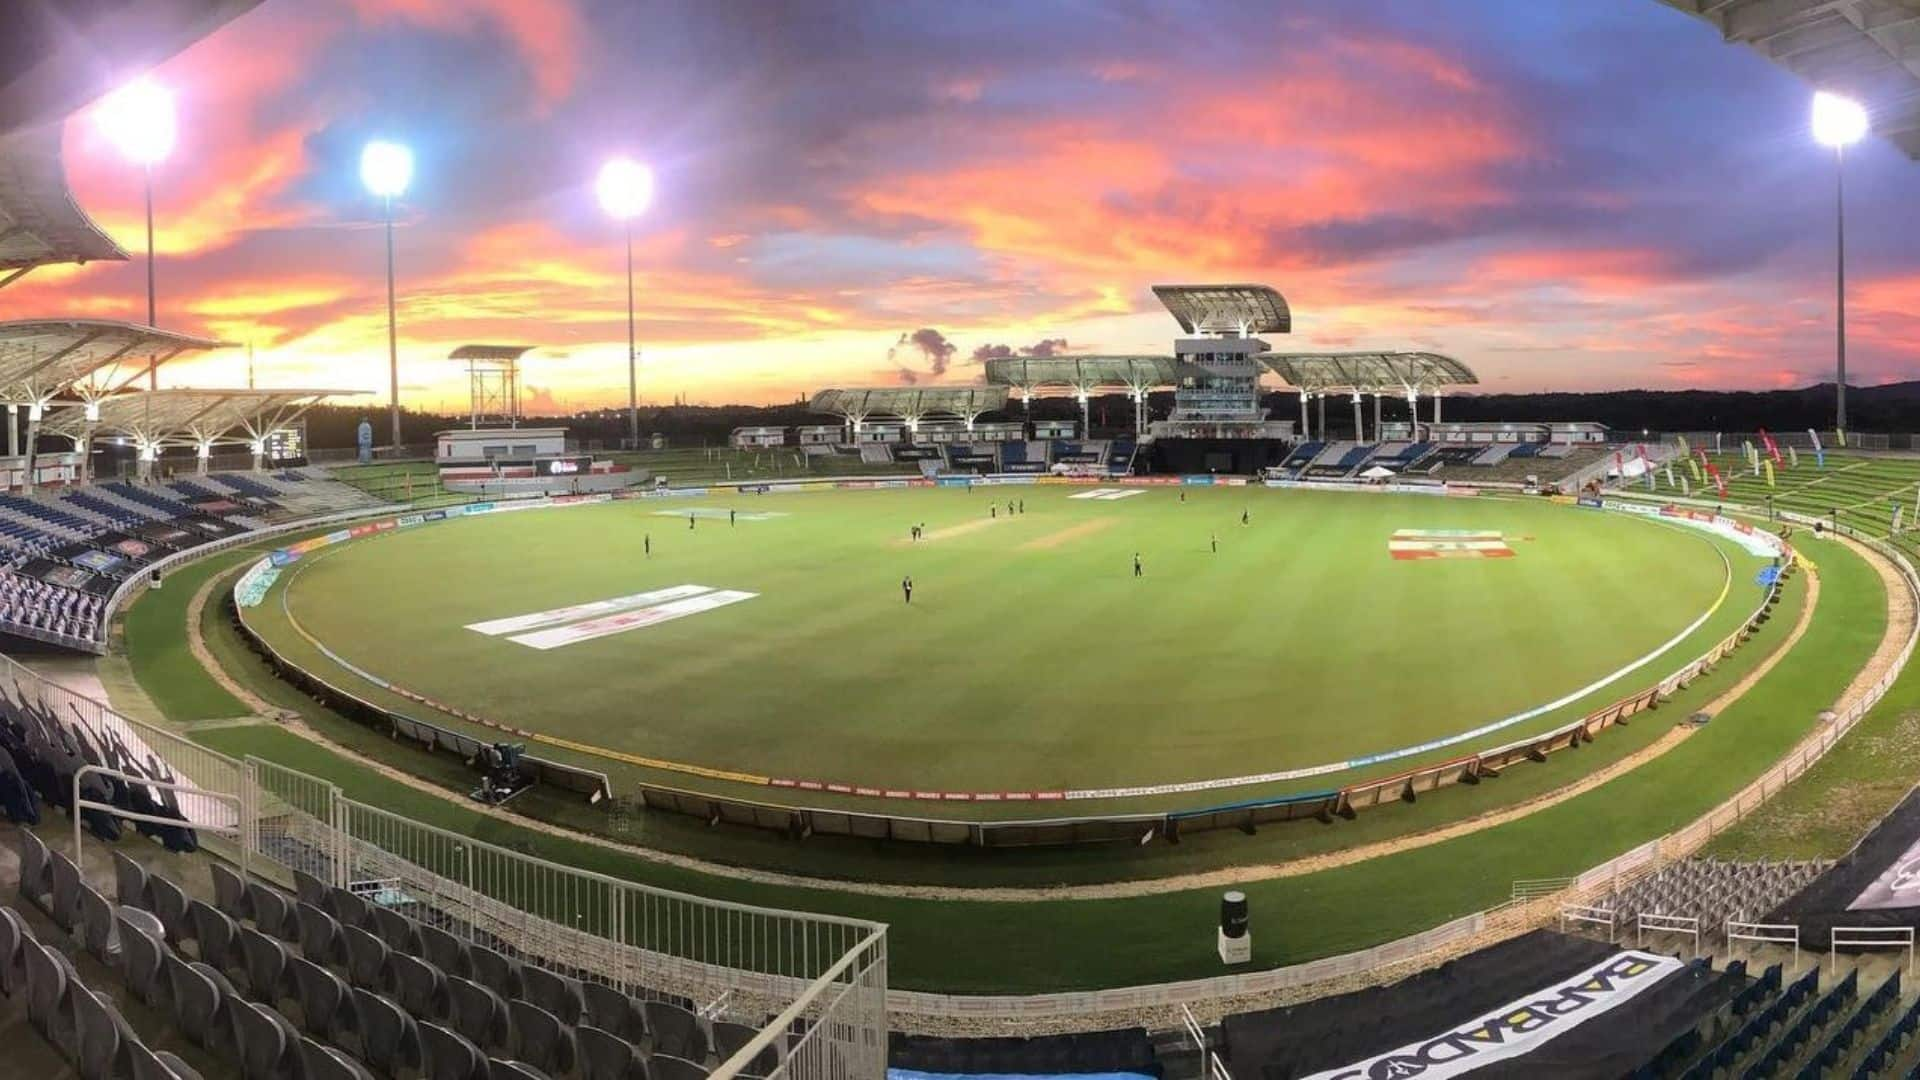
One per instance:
(1839,122)
(139,120)
(386,168)
(625,188)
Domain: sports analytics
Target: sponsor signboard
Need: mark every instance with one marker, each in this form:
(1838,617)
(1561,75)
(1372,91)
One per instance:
(517,623)
(573,633)
(1898,886)
(253,586)
(1448,544)
(954,481)
(1521,1026)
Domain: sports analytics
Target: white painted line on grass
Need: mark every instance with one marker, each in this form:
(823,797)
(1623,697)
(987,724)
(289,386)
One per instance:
(496,627)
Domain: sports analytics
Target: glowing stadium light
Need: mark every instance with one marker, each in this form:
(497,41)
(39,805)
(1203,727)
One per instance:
(386,168)
(1838,121)
(138,120)
(625,187)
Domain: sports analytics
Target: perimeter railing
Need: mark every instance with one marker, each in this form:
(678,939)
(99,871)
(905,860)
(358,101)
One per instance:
(821,978)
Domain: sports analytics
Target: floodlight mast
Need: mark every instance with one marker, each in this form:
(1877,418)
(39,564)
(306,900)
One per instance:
(139,120)
(625,187)
(1839,122)
(386,168)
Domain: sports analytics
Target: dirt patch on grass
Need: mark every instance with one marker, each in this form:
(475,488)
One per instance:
(1067,535)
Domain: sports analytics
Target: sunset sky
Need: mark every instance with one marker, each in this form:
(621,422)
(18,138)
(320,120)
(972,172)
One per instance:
(1576,195)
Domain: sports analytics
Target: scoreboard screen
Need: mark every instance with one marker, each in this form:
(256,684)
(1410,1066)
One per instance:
(288,443)
(563,466)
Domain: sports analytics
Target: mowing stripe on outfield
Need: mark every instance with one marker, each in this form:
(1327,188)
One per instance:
(555,637)
(516,623)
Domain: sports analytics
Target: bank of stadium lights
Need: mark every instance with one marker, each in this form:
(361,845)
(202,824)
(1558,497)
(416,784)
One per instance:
(624,188)
(386,168)
(138,119)
(1839,122)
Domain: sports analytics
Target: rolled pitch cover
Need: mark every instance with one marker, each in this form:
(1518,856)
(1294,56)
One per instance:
(1233,914)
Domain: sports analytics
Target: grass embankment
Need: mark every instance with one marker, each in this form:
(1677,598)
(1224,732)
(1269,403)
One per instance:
(1049,945)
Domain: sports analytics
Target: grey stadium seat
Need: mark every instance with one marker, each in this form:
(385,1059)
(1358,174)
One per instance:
(614,1012)
(142,960)
(36,878)
(606,1056)
(170,903)
(398,931)
(130,883)
(496,971)
(229,892)
(446,952)
(349,907)
(418,986)
(676,1031)
(558,994)
(389,1042)
(65,906)
(540,1039)
(310,889)
(450,1055)
(366,958)
(325,1063)
(214,932)
(272,912)
(266,1042)
(147,1065)
(222,1039)
(498,1069)
(669,1067)
(265,961)
(96,926)
(195,998)
(100,1031)
(729,1037)
(144,921)
(319,934)
(47,990)
(322,996)
(478,1013)
(13,958)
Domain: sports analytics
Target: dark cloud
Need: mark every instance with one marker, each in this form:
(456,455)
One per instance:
(931,346)
(1043,347)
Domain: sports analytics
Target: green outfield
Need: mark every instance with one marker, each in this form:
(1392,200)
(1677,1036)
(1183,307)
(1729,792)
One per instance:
(1031,657)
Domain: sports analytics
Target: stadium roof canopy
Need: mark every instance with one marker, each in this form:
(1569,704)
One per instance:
(1868,50)
(88,359)
(911,403)
(1227,309)
(188,417)
(40,224)
(489,352)
(1368,372)
(57,57)
(1085,374)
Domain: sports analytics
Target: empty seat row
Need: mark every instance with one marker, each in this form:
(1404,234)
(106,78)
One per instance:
(320,958)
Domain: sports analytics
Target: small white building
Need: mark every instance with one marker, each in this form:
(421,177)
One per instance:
(477,445)
(758,438)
